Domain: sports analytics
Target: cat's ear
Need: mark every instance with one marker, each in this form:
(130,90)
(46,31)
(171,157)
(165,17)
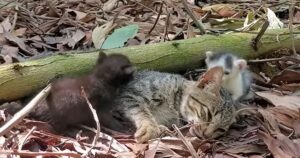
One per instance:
(208,54)
(241,64)
(129,70)
(212,79)
(101,57)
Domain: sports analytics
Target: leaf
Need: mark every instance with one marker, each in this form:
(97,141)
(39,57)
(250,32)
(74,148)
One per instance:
(120,36)
(77,36)
(286,76)
(20,31)
(292,102)
(274,22)
(9,53)
(280,145)
(110,5)
(18,41)
(100,32)
(224,10)
(5,25)
(79,15)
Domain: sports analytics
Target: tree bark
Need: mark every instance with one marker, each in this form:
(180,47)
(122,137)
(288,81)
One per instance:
(21,79)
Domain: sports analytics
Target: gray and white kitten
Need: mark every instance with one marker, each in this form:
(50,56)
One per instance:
(156,100)
(237,79)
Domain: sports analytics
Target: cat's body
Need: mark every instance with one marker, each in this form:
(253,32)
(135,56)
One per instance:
(237,79)
(154,100)
(68,107)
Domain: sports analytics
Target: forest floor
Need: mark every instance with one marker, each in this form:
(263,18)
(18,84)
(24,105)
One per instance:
(31,29)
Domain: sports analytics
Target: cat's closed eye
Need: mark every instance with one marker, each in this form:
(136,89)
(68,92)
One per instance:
(220,130)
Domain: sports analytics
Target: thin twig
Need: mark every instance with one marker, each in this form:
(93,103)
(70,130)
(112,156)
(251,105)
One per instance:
(166,28)
(23,112)
(109,147)
(284,58)
(122,148)
(26,137)
(159,13)
(96,120)
(291,15)
(186,143)
(14,22)
(265,60)
(256,40)
(199,24)
(10,138)
(139,3)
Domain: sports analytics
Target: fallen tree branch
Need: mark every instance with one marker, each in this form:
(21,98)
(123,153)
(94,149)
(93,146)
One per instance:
(22,79)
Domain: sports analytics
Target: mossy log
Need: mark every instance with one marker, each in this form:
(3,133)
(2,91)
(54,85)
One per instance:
(21,79)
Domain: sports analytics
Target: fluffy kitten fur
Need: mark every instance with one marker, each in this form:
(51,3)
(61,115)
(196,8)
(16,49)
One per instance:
(237,79)
(155,100)
(66,105)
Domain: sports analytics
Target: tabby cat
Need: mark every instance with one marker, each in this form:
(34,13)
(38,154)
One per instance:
(156,100)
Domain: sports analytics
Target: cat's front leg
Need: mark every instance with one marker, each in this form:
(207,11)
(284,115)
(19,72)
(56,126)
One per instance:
(146,130)
(146,126)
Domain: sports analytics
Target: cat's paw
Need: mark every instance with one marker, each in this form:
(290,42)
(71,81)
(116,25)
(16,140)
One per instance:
(147,131)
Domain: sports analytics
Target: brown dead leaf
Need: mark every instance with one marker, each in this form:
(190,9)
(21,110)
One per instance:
(293,87)
(297,16)
(292,102)
(280,145)
(287,117)
(152,151)
(12,38)
(137,148)
(190,32)
(269,120)
(78,35)
(125,154)
(100,32)
(273,145)
(9,54)
(246,149)
(78,15)
(5,26)
(224,10)
(172,147)
(286,76)
(110,5)
(20,32)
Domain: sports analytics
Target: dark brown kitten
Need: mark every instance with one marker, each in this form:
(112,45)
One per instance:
(67,106)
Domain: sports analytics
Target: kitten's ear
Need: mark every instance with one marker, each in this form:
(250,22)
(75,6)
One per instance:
(212,79)
(209,54)
(101,57)
(129,70)
(241,64)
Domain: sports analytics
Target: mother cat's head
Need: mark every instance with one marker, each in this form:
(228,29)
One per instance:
(209,106)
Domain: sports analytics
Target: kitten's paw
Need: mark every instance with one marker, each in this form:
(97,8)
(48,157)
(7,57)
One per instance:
(146,132)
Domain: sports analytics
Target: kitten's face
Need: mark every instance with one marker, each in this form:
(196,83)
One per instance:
(115,67)
(231,65)
(208,108)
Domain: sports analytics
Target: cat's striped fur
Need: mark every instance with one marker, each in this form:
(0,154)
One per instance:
(153,100)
